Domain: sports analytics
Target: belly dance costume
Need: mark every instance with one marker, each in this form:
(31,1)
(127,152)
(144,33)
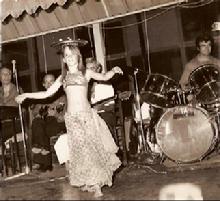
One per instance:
(92,149)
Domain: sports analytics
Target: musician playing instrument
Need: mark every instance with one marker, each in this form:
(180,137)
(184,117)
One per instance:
(48,121)
(204,44)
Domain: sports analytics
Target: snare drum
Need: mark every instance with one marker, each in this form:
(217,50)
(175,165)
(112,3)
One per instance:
(186,134)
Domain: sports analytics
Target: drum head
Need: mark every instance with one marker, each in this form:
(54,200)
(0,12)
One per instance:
(184,133)
(205,82)
(206,69)
(209,93)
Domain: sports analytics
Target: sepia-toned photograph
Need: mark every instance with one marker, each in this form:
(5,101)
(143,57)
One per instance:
(110,100)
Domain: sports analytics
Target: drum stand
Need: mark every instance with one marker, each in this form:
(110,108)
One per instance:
(141,137)
(145,154)
(217,121)
(218,130)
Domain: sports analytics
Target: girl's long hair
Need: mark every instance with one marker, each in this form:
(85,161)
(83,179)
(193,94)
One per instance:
(64,67)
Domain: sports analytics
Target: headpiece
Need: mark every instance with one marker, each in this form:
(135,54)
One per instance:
(69,42)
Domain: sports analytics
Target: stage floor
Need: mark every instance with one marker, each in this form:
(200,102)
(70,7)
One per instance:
(133,182)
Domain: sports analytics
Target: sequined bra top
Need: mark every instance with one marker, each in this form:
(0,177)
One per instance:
(74,79)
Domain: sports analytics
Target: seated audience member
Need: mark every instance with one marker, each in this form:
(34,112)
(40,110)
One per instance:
(101,96)
(48,121)
(8,92)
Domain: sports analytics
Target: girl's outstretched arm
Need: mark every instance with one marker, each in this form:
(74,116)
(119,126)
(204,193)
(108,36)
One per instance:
(41,94)
(103,76)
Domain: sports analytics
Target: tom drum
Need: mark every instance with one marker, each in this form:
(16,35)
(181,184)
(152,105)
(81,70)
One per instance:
(156,89)
(205,80)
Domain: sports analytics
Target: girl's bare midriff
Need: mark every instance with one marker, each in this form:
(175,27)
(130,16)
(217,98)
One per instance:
(77,99)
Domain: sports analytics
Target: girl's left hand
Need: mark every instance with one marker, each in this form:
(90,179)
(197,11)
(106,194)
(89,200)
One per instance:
(117,69)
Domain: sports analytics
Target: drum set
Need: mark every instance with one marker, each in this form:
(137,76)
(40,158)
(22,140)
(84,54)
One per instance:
(188,130)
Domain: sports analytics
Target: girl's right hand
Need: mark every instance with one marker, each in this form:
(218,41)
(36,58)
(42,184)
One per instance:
(20,98)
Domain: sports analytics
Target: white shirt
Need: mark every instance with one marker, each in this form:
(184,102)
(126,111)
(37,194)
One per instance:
(101,92)
(145,112)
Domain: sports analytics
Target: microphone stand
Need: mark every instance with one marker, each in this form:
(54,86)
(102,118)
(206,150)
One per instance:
(145,158)
(27,169)
(142,141)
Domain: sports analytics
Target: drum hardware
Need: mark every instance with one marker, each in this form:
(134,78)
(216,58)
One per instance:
(213,108)
(145,155)
(144,152)
(179,96)
(142,142)
(216,101)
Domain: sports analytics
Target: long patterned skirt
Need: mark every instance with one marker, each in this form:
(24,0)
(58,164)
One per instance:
(92,149)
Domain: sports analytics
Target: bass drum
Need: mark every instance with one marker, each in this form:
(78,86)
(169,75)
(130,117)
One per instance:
(186,134)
